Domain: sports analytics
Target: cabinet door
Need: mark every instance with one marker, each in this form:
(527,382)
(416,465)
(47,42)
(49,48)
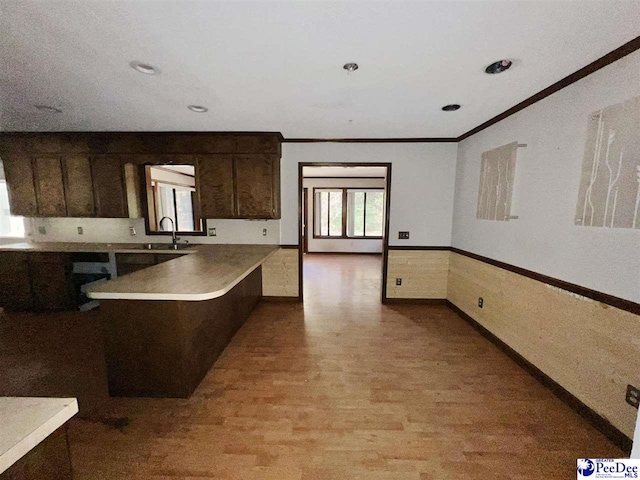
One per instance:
(78,187)
(51,281)
(215,186)
(49,187)
(254,186)
(15,282)
(22,191)
(108,187)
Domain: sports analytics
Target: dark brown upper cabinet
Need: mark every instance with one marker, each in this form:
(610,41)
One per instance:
(22,190)
(215,184)
(47,173)
(257,196)
(78,186)
(94,174)
(239,186)
(107,173)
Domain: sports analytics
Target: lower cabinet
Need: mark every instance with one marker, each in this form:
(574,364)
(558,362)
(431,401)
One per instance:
(15,281)
(37,281)
(52,281)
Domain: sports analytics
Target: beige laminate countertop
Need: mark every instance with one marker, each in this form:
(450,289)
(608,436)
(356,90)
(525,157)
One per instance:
(27,421)
(73,247)
(210,272)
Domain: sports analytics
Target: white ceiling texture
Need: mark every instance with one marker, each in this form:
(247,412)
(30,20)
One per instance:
(277,66)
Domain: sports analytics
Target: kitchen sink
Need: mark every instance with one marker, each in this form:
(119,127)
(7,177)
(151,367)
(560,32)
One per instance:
(166,246)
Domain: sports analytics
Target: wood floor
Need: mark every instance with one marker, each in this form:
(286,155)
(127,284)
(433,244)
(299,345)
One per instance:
(344,388)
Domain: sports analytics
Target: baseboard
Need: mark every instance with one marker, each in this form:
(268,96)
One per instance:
(274,299)
(599,422)
(343,253)
(415,301)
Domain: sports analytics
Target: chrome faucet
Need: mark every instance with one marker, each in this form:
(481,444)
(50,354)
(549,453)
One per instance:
(174,239)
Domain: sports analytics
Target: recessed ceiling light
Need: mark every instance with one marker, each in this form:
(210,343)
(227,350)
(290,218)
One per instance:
(499,66)
(48,108)
(451,107)
(198,108)
(144,68)
(350,67)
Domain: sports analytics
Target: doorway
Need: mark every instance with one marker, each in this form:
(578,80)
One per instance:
(343,212)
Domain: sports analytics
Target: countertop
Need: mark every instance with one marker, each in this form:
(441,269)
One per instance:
(73,247)
(210,272)
(27,421)
(203,272)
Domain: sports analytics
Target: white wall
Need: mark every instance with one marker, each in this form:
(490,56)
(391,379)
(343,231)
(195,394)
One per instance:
(544,239)
(341,244)
(114,230)
(422,183)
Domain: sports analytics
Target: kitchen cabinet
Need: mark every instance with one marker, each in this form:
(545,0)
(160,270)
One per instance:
(51,281)
(83,174)
(22,191)
(15,281)
(239,186)
(47,174)
(255,185)
(215,186)
(109,187)
(36,281)
(78,186)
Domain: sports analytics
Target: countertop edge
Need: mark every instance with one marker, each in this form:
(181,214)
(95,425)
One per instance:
(33,439)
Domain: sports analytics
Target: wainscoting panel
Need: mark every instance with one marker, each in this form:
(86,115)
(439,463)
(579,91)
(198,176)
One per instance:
(280,274)
(423,274)
(589,348)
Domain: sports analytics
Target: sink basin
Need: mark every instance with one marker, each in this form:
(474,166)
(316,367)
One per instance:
(165,246)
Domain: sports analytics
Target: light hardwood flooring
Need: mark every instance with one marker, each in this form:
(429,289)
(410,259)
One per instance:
(344,388)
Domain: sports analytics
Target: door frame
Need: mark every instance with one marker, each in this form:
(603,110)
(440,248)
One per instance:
(387,210)
(305,219)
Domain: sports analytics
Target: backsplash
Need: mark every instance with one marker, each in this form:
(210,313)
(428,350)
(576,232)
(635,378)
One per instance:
(117,230)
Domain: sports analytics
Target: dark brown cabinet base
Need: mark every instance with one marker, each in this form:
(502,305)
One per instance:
(165,348)
(35,281)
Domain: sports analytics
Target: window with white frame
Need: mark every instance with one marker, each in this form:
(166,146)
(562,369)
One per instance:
(10,226)
(348,213)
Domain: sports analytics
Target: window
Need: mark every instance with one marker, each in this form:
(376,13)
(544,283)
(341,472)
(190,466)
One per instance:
(171,193)
(365,211)
(10,226)
(328,215)
(348,213)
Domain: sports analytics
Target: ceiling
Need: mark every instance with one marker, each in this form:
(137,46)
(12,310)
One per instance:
(277,66)
(369,172)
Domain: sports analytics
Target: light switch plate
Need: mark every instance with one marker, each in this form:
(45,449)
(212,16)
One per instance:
(212,232)
(264,232)
(398,282)
(132,231)
(80,231)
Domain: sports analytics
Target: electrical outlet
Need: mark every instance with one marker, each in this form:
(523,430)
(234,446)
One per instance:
(480,302)
(398,282)
(264,232)
(80,231)
(403,235)
(212,232)
(633,396)
(132,231)
(42,230)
